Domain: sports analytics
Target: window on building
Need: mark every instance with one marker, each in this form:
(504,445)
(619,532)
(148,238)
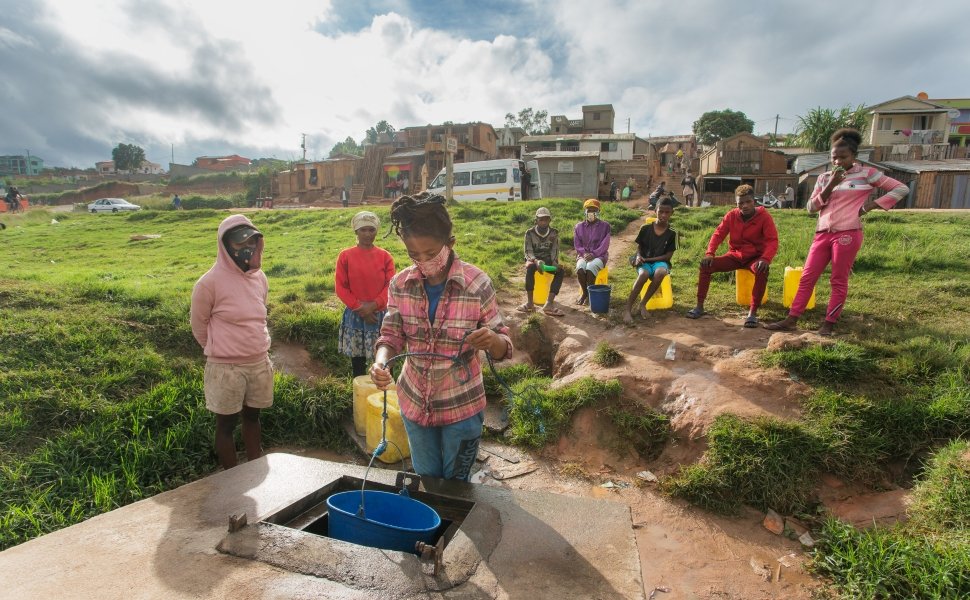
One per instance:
(596,116)
(922,121)
(313,176)
(885,123)
(609,146)
(569,146)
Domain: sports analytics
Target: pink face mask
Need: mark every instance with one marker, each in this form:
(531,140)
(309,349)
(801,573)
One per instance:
(434,267)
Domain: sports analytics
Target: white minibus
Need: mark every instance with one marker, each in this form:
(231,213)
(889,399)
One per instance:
(488,180)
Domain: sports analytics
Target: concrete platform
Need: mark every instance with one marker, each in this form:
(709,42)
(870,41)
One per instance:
(539,545)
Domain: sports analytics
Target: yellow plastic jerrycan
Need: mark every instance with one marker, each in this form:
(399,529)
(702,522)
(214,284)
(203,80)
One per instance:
(603,277)
(363,387)
(543,284)
(793,275)
(395,434)
(662,298)
(743,282)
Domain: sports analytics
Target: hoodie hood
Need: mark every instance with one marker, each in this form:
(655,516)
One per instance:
(223,260)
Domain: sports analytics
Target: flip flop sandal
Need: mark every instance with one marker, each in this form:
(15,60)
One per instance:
(525,308)
(694,313)
(581,300)
(553,312)
(751,322)
(777,327)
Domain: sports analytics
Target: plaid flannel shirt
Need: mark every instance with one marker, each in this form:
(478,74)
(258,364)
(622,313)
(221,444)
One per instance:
(432,391)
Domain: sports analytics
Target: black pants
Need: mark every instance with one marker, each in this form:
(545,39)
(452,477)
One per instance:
(359,364)
(530,280)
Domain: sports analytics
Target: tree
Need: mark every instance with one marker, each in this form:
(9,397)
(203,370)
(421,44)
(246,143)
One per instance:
(348,146)
(127,157)
(534,122)
(717,125)
(816,127)
(381,127)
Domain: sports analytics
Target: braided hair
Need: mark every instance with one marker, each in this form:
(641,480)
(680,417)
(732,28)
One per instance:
(850,138)
(421,215)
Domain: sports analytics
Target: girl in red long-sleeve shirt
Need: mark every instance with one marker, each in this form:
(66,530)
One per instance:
(362,275)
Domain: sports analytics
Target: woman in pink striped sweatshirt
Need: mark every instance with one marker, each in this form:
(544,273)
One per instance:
(229,322)
(841,198)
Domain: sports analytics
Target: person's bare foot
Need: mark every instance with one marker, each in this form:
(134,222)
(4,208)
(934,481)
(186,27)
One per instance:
(643,313)
(787,324)
(628,317)
(826,328)
(582,299)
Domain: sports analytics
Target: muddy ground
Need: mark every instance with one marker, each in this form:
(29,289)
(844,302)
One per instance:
(715,370)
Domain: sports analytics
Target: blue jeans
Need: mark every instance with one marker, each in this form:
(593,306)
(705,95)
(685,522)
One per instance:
(446,452)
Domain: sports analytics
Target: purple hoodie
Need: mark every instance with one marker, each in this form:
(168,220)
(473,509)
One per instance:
(229,305)
(593,238)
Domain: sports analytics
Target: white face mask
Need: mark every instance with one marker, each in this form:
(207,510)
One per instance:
(592,215)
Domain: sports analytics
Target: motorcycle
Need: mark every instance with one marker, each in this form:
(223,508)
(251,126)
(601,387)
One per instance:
(769,200)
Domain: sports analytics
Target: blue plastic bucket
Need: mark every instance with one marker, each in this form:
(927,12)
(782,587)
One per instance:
(599,298)
(390,521)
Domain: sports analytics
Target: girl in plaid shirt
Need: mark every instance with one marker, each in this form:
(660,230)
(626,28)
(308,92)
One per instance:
(445,306)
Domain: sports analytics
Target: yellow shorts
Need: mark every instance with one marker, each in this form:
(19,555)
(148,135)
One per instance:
(229,387)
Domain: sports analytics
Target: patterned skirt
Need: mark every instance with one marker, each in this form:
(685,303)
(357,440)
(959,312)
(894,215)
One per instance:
(357,337)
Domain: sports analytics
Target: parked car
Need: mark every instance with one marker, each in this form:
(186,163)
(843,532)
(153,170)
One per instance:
(111,205)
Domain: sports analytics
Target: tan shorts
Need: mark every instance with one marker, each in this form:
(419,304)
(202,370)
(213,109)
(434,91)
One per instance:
(229,387)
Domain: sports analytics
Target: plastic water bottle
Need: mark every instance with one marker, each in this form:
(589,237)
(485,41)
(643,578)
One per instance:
(671,351)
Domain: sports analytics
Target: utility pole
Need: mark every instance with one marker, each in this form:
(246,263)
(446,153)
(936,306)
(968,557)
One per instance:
(449,164)
(173,153)
(303,145)
(774,138)
(628,124)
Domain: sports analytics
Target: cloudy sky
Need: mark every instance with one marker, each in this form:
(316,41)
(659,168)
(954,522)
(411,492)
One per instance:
(223,76)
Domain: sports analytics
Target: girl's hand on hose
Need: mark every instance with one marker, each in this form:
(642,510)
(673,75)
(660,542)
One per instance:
(481,339)
(381,376)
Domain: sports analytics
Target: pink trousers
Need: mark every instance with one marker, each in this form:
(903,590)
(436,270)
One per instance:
(840,248)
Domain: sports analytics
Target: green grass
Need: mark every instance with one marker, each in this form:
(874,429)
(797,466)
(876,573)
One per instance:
(539,414)
(100,377)
(886,564)
(941,502)
(836,363)
(641,428)
(606,355)
(99,374)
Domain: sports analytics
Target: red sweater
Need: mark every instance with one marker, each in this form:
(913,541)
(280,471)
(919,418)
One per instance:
(362,275)
(751,239)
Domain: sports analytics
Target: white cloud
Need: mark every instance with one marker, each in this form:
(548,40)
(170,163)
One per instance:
(219,75)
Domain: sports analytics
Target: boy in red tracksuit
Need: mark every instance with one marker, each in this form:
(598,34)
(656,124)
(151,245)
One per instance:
(753,243)
(229,322)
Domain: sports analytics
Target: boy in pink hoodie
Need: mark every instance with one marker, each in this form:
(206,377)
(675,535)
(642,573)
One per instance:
(229,322)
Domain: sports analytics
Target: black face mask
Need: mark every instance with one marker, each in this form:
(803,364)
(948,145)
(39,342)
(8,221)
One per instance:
(241,257)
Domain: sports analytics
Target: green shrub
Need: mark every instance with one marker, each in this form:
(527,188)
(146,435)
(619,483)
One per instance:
(606,355)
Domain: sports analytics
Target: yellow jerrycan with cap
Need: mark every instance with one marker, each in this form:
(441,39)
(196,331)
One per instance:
(793,276)
(397,436)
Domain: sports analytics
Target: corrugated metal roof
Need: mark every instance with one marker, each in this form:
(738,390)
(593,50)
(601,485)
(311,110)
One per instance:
(578,137)
(919,166)
(565,154)
(406,153)
(807,162)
